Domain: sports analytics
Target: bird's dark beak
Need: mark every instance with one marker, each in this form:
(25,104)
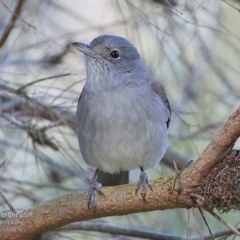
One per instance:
(84,48)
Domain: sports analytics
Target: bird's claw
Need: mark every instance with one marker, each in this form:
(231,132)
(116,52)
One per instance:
(94,186)
(143,181)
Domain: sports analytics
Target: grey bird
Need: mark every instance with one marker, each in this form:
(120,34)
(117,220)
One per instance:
(123,112)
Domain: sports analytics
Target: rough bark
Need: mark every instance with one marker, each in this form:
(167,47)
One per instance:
(121,200)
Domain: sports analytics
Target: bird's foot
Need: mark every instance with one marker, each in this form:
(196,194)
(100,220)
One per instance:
(94,186)
(143,181)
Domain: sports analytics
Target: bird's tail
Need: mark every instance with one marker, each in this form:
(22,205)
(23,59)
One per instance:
(108,179)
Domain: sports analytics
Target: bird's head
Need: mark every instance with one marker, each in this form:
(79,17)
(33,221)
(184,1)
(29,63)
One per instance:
(108,53)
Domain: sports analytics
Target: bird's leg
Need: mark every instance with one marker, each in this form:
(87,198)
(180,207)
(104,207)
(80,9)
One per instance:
(145,182)
(94,186)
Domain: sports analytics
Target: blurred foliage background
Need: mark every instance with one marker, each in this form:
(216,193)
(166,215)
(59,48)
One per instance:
(192,47)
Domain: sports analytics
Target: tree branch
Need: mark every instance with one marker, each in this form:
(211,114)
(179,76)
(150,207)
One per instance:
(215,152)
(72,207)
(121,200)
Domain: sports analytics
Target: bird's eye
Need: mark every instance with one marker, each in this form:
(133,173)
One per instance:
(115,54)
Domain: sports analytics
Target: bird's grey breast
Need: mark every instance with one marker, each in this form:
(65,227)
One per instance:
(124,130)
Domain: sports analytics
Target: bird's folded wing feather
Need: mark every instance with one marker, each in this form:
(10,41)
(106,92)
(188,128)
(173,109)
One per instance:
(159,90)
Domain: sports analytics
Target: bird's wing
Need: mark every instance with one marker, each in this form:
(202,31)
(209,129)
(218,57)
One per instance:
(158,89)
(79,99)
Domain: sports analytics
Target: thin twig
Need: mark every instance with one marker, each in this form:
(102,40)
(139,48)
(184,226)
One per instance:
(219,234)
(205,220)
(198,229)
(7,202)
(178,174)
(42,79)
(12,21)
(222,221)
(231,5)
(175,166)
(125,231)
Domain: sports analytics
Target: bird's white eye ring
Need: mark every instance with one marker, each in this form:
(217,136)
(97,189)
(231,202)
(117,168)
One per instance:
(115,54)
